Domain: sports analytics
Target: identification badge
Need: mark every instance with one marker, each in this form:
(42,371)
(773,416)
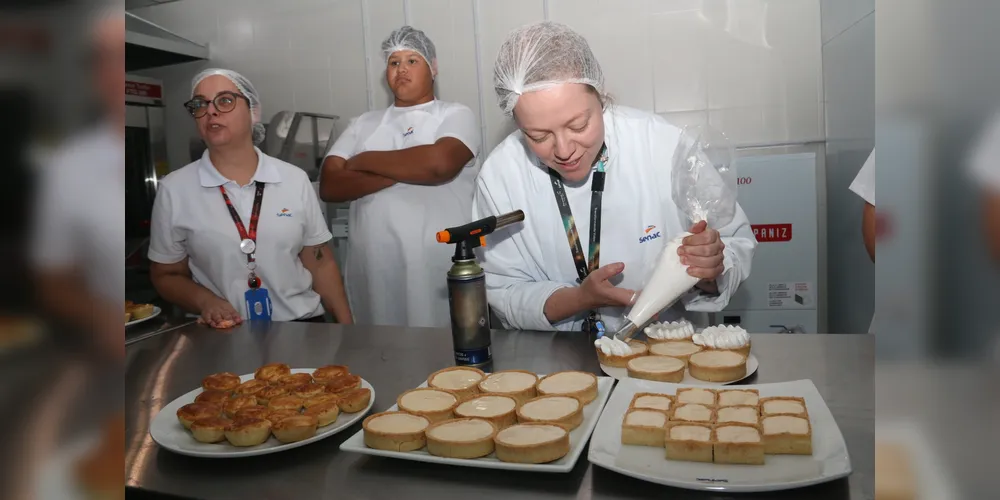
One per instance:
(258,304)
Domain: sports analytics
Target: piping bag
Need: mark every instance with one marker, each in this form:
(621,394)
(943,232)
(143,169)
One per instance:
(703,183)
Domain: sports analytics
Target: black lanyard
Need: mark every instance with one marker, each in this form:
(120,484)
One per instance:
(248,237)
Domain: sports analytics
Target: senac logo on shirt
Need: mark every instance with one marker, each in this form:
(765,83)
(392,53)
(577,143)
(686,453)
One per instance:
(649,234)
(409,131)
(285,213)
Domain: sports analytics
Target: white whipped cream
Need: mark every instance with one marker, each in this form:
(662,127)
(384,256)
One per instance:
(722,337)
(674,330)
(668,282)
(611,346)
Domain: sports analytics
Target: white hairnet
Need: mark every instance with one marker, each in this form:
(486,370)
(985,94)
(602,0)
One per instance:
(540,56)
(410,38)
(245,88)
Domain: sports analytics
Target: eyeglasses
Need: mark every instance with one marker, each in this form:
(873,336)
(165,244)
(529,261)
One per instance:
(224,102)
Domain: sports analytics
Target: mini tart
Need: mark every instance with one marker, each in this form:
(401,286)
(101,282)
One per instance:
(251,387)
(688,442)
(498,410)
(575,384)
(320,399)
(213,397)
(717,366)
(518,384)
(692,412)
(297,428)
(197,411)
(354,400)
(248,431)
(252,411)
(224,381)
(738,414)
(787,435)
(238,403)
(680,349)
(433,404)
(644,427)
(639,348)
(342,384)
(531,443)
(739,397)
(744,349)
(395,431)
(210,430)
(658,368)
(285,403)
(461,380)
(271,372)
(294,379)
(564,411)
(783,406)
(306,391)
(699,395)
(461,438)
(275,416)
(738,444)
(325,413)
(329,372)
(651,401)
(265,396)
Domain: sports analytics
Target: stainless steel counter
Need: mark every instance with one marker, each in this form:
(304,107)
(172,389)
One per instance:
(163,367)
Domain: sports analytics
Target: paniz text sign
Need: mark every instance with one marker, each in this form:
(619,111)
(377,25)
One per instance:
(141,89)
(770,233)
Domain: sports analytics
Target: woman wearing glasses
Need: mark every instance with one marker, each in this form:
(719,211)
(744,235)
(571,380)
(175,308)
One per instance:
(238,234)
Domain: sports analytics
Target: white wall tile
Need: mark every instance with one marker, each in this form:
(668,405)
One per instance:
(849,74)
(838,15)
(191,19)
(680,36)
(686,118)
(384,16)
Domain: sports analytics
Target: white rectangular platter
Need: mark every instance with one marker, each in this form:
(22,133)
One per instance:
(577,441)
(829,460)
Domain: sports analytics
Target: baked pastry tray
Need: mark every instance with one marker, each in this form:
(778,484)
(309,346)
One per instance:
(829,460)
(577,441)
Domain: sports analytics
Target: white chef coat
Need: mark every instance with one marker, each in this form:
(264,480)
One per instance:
(190,219)
(525,263)
(396,271)
(864,182)
(81,218)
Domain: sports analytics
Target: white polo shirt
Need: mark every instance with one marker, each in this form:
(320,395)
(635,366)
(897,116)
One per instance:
(190,219)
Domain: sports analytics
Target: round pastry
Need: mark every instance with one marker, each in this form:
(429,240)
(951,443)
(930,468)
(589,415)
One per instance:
(325,413)
(531,443)
(659,368)
(580,385)
(343,383)
(252,411)
(237,403)
(463,381)
(224,381)
(197,411)
(251,387)
(285,403)
(271,372)
(275,416)
(265,396)
(248,431)
(724,338)
(682,349)
(354,400)
(563,411)
(320,399)
(306,391)
(294,379)
(673,331)
(297,428)
(433,404)
(498,410)
(214,397)
(461,438)
(210,430)
(518,384)
(326,373)
(718,366)
(395,431)
(616,353)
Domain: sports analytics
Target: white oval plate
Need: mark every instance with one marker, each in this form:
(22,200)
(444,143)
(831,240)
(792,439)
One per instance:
(168,432)
(156,312)
(622,373)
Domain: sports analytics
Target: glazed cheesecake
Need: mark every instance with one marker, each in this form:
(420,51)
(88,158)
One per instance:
(531,443)
(738,444)
(564,411)
(688,442)
(658,368)
(651,401)
(783,406)
(395,431)
(433,404)
(461,438)
(692,412)
(680,349)
(616,353)
(463,381)
(739,397)
(787,435)
(644,427)
(517,384)
(717,366)
(579,385)
(737,414)
(707,397)
(498,410)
